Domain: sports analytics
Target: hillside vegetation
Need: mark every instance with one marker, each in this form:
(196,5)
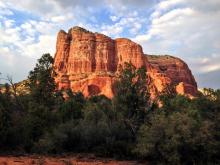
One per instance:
(131,126)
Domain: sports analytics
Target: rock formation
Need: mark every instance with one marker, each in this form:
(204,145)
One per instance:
(89,62)
(168,70)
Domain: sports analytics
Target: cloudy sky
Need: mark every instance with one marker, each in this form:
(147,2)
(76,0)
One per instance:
(189,29)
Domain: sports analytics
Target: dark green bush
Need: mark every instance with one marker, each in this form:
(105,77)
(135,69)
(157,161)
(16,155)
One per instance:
(181,131)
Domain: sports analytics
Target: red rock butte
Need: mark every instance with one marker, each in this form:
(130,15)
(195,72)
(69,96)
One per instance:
(90,62)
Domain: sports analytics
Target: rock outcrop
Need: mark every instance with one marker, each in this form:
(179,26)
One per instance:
(89,62)
(171,71)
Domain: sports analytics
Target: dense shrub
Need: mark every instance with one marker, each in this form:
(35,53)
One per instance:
(181,131)
(181,134)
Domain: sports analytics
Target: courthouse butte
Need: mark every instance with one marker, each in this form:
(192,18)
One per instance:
(90,62)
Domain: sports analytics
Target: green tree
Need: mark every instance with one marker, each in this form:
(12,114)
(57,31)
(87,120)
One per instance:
(132,97)
(182,131)
(167,139)
(40,114)
(41,81)
(71,109)
(5,124)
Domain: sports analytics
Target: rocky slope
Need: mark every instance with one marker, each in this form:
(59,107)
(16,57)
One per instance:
(89,62)
(21,88)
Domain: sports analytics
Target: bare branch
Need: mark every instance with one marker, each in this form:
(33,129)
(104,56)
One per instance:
(14,90)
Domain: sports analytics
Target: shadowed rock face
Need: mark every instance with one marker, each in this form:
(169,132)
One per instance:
(89,62)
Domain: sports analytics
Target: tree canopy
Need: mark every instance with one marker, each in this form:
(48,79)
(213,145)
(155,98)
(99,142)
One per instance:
(181,131)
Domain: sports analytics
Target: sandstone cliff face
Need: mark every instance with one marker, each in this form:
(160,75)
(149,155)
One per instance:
(167,70)
(89,62)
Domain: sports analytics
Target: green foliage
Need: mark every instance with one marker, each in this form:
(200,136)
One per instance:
(132,97)
(5,122)
(98,130)
(166,138)
(71,109)
(181,131)
(41,81)
(65,138)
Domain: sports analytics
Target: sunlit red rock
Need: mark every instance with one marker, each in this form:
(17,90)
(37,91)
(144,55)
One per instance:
(167,70)
(89,62)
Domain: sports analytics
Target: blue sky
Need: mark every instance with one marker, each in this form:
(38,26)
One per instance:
(188,29)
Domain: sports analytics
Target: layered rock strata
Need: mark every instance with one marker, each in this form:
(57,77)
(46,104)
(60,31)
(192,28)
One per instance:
(89,62)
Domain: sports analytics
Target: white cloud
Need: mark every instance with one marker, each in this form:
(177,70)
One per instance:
(15,65)
(206,64)
(114,18)
(21,45)
(4,10)
(114,30)
(62,18)
(164,5)
(135,28)
(188,31)
(46,44)
(185,28)
(176,14)
(58,19)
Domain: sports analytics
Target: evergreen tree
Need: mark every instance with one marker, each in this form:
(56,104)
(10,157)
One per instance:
(132,97)
(41,81)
